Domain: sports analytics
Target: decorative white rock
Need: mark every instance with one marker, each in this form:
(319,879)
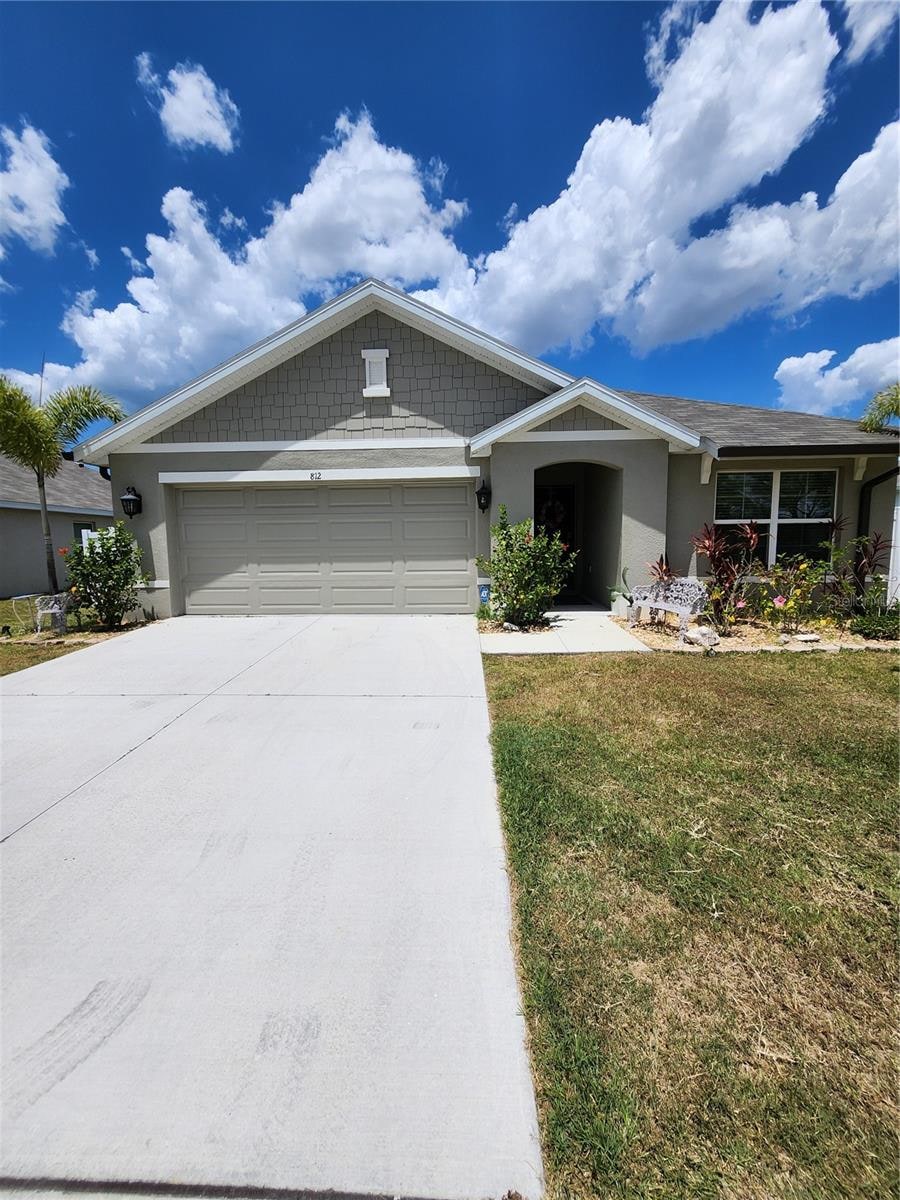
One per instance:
(807,637)
(702,636)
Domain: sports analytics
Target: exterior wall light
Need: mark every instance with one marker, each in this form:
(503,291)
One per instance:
(131,502)
(483,496)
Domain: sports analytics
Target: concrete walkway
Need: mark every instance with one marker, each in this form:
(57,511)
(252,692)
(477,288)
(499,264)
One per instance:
(256,915)
(572,631)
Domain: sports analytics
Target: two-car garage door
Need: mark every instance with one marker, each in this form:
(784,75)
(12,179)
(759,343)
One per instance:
(394,547)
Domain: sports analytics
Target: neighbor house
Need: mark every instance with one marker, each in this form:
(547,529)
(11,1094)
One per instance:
(354,461)
(77,499)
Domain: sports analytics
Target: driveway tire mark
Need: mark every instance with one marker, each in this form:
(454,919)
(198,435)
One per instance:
(38,1068)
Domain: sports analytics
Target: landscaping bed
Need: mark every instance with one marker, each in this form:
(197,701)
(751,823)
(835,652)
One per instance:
(753,636)
(703,859)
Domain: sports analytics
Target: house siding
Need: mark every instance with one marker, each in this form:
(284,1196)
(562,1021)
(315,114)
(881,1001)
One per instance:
(577,418)
(435,391)
(23,566)
(639,498)
(691,504)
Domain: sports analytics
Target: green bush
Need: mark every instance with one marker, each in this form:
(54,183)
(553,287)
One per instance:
(879,624)
(527,569)
(106,573)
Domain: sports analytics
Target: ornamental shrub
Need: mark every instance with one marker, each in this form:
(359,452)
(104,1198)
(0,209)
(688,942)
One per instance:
(880,624)
(732,562)
(106,573)
(527,568)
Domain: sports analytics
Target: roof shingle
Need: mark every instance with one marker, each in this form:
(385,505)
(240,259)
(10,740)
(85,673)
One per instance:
(741,426)
(73,487)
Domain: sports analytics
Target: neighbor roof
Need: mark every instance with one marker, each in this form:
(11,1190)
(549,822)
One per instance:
(73,489)
(739,428)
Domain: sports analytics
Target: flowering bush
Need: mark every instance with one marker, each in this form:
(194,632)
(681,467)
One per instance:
(527,569)
(793,582)
(106,574)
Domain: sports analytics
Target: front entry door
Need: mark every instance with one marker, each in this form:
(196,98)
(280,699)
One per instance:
(556,511)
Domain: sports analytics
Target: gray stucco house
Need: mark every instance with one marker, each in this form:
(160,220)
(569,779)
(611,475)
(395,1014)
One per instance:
(77,499)
(334,467)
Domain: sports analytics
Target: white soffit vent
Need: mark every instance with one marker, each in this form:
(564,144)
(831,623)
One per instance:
(376,374)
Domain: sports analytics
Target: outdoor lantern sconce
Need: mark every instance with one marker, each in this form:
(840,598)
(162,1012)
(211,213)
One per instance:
(131,502)
(483,496)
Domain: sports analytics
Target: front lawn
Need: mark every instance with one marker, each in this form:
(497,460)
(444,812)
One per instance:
(703,856)
(24,649)
(16,656)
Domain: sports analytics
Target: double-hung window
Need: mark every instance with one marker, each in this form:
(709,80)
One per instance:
(793,509)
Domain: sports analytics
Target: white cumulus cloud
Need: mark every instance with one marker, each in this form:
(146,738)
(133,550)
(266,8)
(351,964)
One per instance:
(192,302)
(733,104)
(618,251)
(31,186)
(192,109)
(783,256)
(869,23)
(811,384)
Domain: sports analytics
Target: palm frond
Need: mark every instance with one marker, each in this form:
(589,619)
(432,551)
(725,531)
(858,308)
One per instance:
(26,436)
(71,410)
(882,409)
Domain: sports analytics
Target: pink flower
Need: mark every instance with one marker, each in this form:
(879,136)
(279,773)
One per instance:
(780,601)
(740,604)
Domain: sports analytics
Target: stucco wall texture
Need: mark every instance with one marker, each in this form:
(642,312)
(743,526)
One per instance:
(435,391)
(23,567)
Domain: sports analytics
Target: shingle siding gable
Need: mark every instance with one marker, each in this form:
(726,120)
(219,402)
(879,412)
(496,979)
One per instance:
(435,391)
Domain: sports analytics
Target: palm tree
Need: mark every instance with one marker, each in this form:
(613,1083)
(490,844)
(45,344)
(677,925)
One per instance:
(35,437)
(882,409)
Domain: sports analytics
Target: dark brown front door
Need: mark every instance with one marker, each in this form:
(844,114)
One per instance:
(556,511)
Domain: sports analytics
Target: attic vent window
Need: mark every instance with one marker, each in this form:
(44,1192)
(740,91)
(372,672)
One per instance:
(376,374)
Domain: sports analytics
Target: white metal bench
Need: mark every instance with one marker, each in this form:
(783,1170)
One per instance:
(684,597)
(54,606)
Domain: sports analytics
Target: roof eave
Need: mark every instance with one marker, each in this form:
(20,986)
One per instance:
(589,389)
(294,339)
(811,450)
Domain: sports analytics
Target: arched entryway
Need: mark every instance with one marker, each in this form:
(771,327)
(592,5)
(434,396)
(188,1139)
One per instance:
(583,502)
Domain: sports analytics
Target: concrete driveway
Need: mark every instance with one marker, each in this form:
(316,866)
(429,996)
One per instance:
(256,915)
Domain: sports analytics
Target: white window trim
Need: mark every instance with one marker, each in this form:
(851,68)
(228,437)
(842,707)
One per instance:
(376,374)
(772,522)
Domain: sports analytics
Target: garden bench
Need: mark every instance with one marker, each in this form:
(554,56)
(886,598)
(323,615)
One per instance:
(684,597)
(55,607)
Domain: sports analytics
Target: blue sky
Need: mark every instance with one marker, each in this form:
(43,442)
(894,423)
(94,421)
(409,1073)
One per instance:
(618,188)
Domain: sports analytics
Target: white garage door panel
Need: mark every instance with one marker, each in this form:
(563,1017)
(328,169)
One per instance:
(391,548)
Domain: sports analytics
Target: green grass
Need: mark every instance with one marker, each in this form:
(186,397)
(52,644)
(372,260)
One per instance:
(16,655)
(703,855)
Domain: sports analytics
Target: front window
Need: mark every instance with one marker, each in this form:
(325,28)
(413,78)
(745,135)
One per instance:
(81,527)
(793,509)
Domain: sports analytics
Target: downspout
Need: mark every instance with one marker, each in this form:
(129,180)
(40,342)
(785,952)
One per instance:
(865,514)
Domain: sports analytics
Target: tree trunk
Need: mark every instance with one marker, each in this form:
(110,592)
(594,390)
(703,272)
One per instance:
(48,538)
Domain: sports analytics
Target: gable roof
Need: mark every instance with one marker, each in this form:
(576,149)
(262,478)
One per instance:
(293,339)
(726,429)
(739,428)
(600,399)
(73,489)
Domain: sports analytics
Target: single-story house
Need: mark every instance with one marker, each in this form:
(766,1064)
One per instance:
(354,461)
(77,499)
